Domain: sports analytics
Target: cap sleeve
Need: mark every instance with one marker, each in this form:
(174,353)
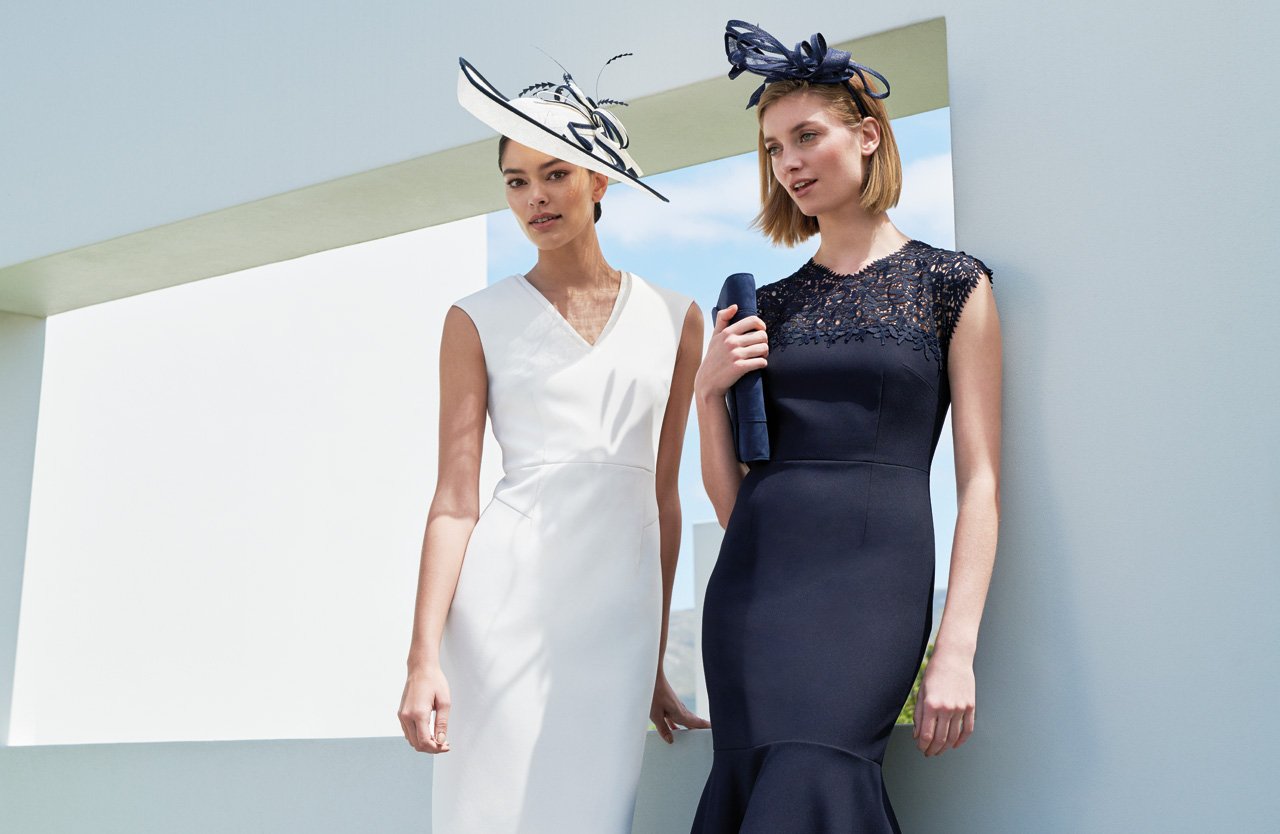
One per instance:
(954,279)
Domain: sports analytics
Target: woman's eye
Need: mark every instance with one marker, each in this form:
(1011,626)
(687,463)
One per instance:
(514,183)
(807,135)
(557,175)
(772,150)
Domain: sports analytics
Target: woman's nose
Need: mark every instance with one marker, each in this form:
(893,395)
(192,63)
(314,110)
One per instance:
(782,161)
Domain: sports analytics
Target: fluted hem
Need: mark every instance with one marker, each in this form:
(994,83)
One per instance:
(794,787)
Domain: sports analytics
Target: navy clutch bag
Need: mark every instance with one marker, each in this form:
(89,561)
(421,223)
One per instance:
(746,398)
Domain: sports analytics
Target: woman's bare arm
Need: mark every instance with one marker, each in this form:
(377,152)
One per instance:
(670,447)
(454,510)
(974,369)
(734,350)
(667,710)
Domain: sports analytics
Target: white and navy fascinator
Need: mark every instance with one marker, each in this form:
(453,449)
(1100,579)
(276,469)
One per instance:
(557,119)
(752,49)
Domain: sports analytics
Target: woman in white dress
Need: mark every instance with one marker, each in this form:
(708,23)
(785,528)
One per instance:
(540,624)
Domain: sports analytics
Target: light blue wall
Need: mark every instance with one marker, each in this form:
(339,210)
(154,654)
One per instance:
(314,786)
(1125,194)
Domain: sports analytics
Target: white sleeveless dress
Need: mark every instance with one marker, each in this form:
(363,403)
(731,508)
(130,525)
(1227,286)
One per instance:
(551,645)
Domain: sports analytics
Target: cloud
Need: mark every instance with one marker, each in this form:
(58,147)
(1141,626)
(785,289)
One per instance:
(715,203)
(926,210)
(710,203)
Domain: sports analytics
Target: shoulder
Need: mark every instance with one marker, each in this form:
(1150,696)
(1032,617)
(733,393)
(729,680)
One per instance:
(495,312)
(673,305)
(773,296)
(952,277)
(782,285)
(665,309)
(493,305)
(486,297)
(948,267)
(674,301)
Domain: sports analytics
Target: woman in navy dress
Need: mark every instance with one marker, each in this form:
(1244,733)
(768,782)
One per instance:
(819,610)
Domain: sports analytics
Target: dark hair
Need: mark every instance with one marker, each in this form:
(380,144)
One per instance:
(502,148)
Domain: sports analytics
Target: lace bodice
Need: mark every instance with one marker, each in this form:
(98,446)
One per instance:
(912,295)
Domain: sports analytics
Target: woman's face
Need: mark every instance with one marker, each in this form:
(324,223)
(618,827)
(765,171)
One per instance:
(553,201)
(815,156)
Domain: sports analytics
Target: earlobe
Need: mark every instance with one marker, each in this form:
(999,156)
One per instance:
(870,135)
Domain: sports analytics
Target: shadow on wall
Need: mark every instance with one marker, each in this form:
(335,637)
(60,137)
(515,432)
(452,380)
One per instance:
(313,786)
(21,377)
(1014,741)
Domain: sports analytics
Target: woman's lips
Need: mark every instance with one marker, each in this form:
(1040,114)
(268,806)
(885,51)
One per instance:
(542,222)
(802,187)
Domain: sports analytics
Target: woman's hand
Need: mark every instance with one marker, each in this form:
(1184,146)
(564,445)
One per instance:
(945,703)
(426,691)
(734,350)
(667,711)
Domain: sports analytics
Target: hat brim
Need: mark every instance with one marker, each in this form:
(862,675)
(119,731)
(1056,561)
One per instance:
(482,100)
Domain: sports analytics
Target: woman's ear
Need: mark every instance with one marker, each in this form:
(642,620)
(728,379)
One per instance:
(869,135)
(599,182)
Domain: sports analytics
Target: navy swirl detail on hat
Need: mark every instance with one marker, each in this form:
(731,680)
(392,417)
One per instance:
(752,49)
(602,125)
(589,144)
(558,119)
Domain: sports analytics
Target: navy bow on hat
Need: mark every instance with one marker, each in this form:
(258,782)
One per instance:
(604,130)
(752,49)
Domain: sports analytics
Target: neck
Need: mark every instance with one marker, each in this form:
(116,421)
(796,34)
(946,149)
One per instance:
(579,264)
(852,238)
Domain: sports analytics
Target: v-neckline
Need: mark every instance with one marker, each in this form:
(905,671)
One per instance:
(624,290)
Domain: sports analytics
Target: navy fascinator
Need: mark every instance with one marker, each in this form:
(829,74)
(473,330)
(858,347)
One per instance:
(752,49)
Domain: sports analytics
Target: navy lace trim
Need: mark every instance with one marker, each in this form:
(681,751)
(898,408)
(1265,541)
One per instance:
(915,294)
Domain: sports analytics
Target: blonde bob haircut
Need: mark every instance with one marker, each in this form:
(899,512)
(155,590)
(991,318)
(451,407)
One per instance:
(779,218)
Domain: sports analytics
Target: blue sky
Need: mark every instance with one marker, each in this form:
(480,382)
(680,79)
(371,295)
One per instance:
(704,234)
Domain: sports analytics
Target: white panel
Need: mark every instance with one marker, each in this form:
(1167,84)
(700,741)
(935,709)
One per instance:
(232,479)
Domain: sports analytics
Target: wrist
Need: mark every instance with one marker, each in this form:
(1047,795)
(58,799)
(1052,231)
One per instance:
(423,662)
(956,649)
(704,396)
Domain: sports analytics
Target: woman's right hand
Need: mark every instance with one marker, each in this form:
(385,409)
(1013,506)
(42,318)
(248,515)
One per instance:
(735,349)
(426,691)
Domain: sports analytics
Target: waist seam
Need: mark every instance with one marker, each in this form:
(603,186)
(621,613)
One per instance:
(544,464)
(848,460)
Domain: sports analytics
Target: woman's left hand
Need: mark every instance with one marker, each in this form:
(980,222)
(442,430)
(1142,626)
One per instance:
(945,704)
(667,711)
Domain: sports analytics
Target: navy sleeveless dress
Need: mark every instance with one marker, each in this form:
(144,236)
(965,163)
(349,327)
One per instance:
(817,614)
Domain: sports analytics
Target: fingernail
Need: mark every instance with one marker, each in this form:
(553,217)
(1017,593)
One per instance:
(440,738)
